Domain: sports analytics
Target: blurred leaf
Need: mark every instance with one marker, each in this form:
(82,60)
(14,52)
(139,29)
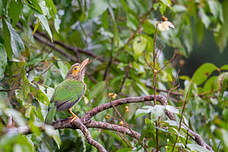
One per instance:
(1,8)
(51,8)
(63,69)
(148,27)
(139,45)
(44,23)
(221,37)
(97,7)
(197,148)
(222,83)
(179,8)
(172,109)
(167,2)
(13,43)
(155,111)
(54,134)
(224,67)
(35,5)
(15,10)
(225,137)
(17,117)
(3,60)
(97,90)
(214,8)
(210,84)
(57,23)
(203,72)
(205,19)
(132,21)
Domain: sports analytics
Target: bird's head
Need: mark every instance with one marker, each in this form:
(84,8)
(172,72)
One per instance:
(77,70)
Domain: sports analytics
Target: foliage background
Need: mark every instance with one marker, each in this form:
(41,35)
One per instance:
(41,39)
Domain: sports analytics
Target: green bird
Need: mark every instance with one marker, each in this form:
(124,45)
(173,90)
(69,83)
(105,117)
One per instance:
(68,92)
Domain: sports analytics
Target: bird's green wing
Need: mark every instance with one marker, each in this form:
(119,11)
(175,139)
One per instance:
(67,94)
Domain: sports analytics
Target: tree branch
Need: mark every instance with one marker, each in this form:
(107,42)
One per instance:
(88,136)
(85,121)
(71,48)
(118,102)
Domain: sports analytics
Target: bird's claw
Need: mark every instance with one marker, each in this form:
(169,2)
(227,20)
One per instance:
(74,118)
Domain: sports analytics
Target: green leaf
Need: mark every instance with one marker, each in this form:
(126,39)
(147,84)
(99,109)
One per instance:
(34,4)
(57,23)
(148,27)
(224,67)
(222,82)
(132,21)
(3,60)
(179,8)
(63,68)
(205,19)
(54,134)
(214,8)
(97,7)
(172,109)
(143,111)
(15,10)
(97,89)
(1,8)
(156,111)
(44,23)
(203,72)
(197,148)
(225,137)
(139,45)
(51,8)
(210,84)
(17,117)
(167,2)
(13,43)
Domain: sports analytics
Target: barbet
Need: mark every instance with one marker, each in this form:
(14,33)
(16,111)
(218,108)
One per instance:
(68,92)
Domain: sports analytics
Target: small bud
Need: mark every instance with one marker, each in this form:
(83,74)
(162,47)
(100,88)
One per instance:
(110,94)
(121,123)
(107,116)
(126,109)
(114,96)
(164,18)
(155,71)
(181,62)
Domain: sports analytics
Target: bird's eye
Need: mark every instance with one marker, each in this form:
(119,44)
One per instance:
(75,68)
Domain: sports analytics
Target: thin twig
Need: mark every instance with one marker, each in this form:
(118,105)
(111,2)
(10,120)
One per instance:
(88,136)
(125,77)
(182,115)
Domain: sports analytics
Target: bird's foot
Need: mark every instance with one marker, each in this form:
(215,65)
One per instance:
(73,118)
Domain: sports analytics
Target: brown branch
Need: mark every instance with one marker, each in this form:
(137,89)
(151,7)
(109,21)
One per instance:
(51,45)
(125,77)
(65,123)
(118,102)
(88,136)
(71,48)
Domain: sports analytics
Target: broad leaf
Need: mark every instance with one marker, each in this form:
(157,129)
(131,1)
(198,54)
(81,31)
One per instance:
(197,148)
(3,60)
(139,45)
(44,23)
(97,7)
(203,72)
(15,10)
(13,43)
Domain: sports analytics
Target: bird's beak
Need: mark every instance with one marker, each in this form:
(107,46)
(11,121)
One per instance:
(84,63)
